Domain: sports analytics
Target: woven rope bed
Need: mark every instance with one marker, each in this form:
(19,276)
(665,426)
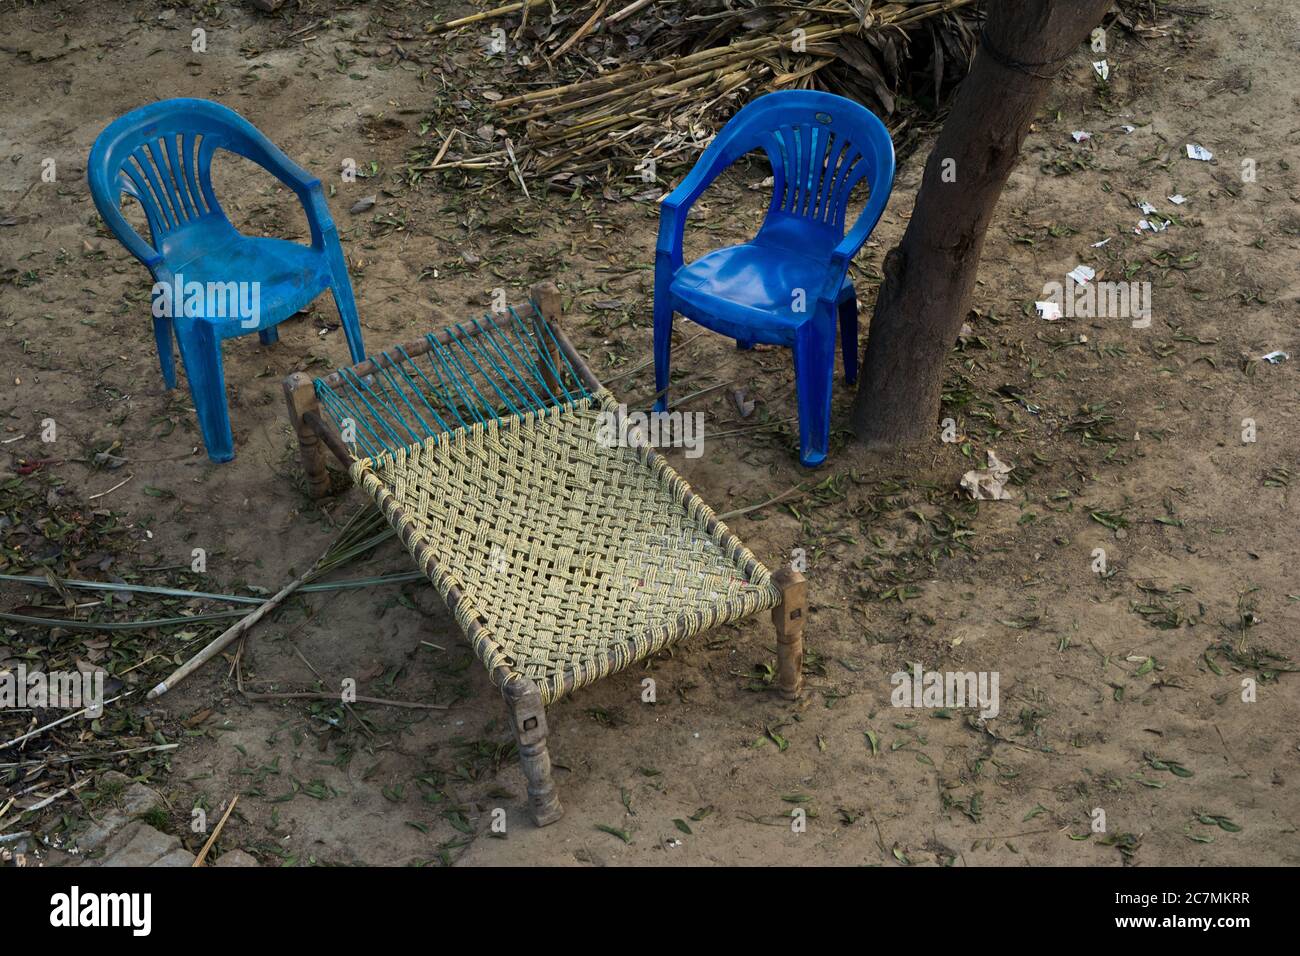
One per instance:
(564,557)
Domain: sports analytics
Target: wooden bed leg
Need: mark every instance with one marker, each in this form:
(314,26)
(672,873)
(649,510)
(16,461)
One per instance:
(300,395)
(788,617)
(528,718)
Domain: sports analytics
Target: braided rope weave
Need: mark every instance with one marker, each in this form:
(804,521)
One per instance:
(573,559)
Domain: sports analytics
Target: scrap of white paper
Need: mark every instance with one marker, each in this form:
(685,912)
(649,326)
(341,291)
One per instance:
(1082,274)
(1048,310)
(1273,358)
(1146,207)
(988,484)
(1128,129)
(1177,199)
(1098,245)
(1081,135)
(1196,151)
(1101,68)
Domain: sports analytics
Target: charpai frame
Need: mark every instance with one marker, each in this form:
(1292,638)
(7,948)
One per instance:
(499,415)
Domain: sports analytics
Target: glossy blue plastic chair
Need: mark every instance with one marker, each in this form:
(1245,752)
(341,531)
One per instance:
(788,285)
(161,156)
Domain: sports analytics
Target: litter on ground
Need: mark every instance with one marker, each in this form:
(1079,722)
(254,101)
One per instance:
(988,484)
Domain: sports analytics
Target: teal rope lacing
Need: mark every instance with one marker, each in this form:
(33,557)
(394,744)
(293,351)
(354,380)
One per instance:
(496,370)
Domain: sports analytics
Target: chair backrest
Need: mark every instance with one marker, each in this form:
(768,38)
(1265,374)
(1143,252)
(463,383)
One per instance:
(161,155)
(820,146)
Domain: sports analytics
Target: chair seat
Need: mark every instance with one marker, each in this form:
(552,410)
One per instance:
(749,289)
(574,559)
(289,276)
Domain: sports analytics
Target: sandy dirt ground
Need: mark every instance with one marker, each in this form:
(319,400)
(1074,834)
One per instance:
(1120,692)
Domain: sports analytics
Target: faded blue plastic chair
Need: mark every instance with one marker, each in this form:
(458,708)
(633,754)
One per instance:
(788,284)
(161,156)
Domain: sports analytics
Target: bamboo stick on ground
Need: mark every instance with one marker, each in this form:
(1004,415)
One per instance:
(203,854)
(360,534)
(73,758)
(50,799)
(763,504)
(360,699)
(227,637)
(62,720)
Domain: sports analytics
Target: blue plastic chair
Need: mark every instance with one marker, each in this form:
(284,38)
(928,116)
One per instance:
(787,285)
(161,156)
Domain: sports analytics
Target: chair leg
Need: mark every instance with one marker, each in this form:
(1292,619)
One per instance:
(201,353)
(341,289)
(849,338)
(269,336)
(663,318)
(788,617)
(814,371)
(162,333)
(528,719)
(300,396)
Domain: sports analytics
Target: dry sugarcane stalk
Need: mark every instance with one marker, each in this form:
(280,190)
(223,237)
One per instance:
(894,14)
(519,173)
(443,150)
(723,67)
(656,100)
(500,153)
(654,106)
(582,31)
(664,68)
(598,134)
(492,14)
(618,77)
(627,11)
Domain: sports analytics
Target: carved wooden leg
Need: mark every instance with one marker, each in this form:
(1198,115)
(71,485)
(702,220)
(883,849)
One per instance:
(300,395)
(788,617)
(528,718)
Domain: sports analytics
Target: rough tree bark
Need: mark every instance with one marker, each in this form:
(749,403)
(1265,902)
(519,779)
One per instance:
(930,274)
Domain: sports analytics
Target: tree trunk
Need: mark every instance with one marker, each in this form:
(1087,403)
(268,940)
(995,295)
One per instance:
(930,274)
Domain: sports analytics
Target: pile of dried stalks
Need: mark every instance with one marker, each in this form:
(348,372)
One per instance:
(609,84)
(621,82)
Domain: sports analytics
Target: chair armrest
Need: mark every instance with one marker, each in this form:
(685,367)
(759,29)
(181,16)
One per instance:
(127,235)
(308,188)
(271,158)
(677,204)
(106,198)
(852,242)
(318,215)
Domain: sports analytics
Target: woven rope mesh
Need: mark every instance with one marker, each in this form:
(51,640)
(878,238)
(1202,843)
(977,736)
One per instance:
(576,559)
